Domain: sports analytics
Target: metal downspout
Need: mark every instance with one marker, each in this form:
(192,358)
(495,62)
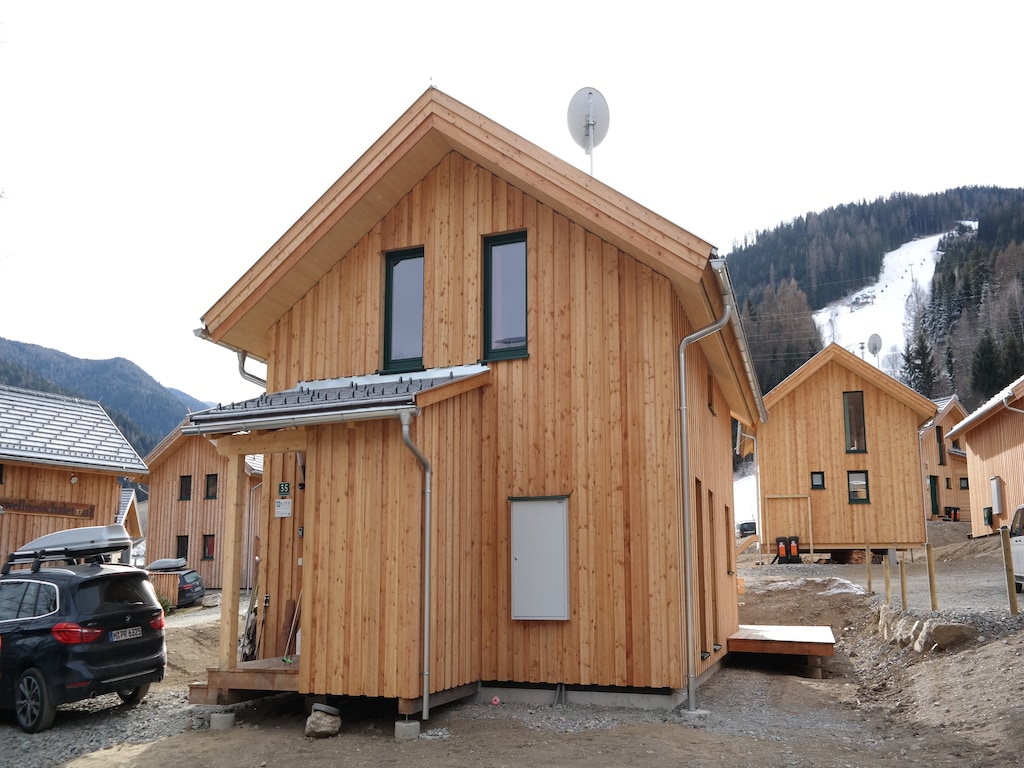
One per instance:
(406,418)
(691,655)
(250,377)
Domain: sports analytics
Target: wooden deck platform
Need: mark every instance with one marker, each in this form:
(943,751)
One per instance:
(790,640)
(248,680)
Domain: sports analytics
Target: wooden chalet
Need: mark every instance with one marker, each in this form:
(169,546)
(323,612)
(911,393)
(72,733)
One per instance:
(944,462)
(187,503)
(61,460)
(993,438)
(496,430)
(840,458)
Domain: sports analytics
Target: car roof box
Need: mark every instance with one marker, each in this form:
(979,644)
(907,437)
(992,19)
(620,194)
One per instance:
(167,564)
(71,544)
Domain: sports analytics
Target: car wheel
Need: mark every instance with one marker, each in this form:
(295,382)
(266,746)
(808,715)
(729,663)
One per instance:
(132,696)
(33,705)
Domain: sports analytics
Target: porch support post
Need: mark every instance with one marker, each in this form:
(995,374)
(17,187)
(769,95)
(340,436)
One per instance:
(234,513)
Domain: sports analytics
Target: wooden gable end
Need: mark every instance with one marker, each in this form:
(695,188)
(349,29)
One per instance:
(806,432)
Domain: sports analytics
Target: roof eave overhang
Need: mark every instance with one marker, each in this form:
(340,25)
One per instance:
(434,126)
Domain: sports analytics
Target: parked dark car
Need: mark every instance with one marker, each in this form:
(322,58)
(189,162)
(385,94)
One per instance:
(190,584)
(746,528)
(75,631)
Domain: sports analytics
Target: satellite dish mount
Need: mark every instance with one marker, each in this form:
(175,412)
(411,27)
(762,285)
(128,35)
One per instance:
(588,120)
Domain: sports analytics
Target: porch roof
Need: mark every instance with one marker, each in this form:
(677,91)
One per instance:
(336,400)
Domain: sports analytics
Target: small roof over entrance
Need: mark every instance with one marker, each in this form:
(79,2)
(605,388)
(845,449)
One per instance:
(335,400)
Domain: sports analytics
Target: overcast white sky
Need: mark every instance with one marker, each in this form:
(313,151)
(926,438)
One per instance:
(151,152)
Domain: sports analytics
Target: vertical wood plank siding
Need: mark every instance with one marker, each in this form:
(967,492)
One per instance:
(793,445)
(40,483)
(995,448)
(170,517)
(592,413)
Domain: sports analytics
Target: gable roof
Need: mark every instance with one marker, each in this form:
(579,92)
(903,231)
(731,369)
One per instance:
(950,404)
(43,428)
(834,353)
(175,438)
(1001,402)
(434,126)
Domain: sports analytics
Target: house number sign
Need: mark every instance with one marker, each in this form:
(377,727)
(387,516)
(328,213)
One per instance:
(284,489)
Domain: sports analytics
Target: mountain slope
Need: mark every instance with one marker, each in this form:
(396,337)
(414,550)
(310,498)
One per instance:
(143,410)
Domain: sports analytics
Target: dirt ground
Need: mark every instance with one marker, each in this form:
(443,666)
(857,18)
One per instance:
(877,704)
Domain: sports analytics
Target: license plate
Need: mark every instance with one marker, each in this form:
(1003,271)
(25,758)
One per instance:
(127,633)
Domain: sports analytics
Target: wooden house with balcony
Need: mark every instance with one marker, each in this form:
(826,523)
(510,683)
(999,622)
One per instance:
(61,463)
(993,439)
(496,430)
(840,458)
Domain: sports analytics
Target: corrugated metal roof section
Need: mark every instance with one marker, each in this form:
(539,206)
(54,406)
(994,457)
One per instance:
(255,462)
(65,431)
(333,396)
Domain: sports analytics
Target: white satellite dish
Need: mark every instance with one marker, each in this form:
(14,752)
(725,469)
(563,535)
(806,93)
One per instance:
(874,344)
(588,120)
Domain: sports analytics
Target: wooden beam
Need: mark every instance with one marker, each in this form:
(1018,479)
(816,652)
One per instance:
(234,514)
(281,441)
(443,392)
(789,640)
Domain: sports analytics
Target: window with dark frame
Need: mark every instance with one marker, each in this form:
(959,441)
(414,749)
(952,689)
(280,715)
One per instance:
(1,474)
(853,417)
(711,393)
(505,334)
(817,481)
(403,311)
(182,547)
(209,541)
(941,445)
(949,484)
(964,484)
(185,488)
(857,486)
(211,486)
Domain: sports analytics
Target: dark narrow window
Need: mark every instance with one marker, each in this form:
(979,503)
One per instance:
(711,394)
(185,488)
(964,485)
(949,484)
(211,486)
(208,545)
(505,296)
(1,474)
(403,311)
(182,549)
(853,414)
(942,446)
(817,481)
(857,484)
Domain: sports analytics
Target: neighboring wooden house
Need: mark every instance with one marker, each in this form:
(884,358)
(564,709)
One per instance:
(840,458)
(944,462)
(61,460)
(489,460)
(128,513)
(187,503)
(993,438)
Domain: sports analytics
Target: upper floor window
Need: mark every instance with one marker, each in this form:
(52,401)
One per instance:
(853,416)
(941,444)
(505,296)
(403,311)
(1,474)
(211,486)
(185,488)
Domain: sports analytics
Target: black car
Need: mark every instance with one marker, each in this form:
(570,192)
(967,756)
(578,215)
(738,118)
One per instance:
(190,584)
(73,631)
(746,528)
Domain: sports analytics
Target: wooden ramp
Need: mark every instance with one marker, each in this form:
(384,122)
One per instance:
(248,680)
(811,642)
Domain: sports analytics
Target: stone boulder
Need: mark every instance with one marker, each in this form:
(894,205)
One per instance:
(940,635)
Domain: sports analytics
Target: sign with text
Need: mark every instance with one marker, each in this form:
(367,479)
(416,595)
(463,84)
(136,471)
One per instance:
(284,489)
(282,507)
(59,508)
